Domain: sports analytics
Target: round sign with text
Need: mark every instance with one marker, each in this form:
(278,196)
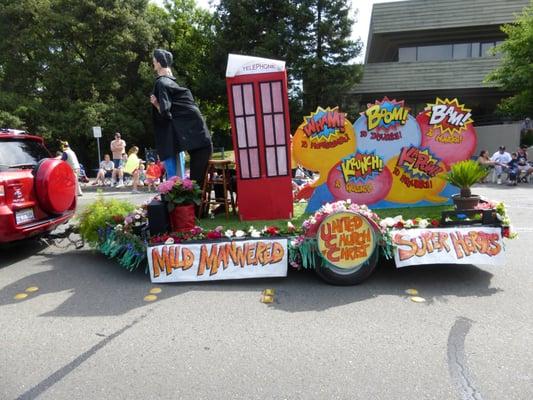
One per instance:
(346,240)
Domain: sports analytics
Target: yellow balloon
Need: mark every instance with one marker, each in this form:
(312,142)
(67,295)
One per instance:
(408,190)
(318,145)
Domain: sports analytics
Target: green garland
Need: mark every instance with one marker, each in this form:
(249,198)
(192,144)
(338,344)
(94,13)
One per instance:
(126,248)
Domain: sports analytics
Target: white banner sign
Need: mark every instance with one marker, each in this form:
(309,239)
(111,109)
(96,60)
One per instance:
(472,245)
(240,259)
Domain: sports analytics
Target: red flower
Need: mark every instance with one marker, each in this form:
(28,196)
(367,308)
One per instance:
(506,232)
(272,231)
(435,222)
(214,235)
(118,219)
(398,225)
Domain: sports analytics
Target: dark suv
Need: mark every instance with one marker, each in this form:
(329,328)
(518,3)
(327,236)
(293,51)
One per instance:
(37,193)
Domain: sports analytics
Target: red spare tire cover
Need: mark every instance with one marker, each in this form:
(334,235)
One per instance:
(55,185)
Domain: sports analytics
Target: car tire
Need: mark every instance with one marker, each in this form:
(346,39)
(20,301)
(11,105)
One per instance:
(55,185)
(348,277)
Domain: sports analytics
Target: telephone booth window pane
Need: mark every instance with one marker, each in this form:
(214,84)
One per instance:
(277,97)
(279,123)
(271,161)
(248,99)
(243,156)
(237,100)
(282,160)
(269,130)
(250,129)
(265,98)
(254,162)
(274,129)
(241,132)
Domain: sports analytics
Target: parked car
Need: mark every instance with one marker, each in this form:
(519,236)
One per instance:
(37,192)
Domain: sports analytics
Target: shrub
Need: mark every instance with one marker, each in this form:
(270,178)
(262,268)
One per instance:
(101,213)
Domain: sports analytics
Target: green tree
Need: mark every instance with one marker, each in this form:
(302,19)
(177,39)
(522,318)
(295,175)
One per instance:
(327,70)
(67,65)
(515,74)
(313,36)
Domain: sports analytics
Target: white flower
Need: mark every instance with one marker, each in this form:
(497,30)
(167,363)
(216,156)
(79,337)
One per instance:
(255,234)
(423,223)
(408,223)
(137,216)
(387,222)
(349,201)
(169,241)
(251,229)
(118,227)
(239,233)
(229,233)
(398,218)
(290,226)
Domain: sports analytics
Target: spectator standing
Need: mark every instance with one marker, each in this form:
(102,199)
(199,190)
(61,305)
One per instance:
(70,157)
(106,170)
(118,147)
(501,158)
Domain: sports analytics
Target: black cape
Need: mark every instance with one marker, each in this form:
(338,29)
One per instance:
(179,126)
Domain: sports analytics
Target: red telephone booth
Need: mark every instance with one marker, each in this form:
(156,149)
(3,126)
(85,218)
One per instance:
(260,126)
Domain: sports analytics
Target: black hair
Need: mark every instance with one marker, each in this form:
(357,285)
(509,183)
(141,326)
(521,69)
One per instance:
(163,57)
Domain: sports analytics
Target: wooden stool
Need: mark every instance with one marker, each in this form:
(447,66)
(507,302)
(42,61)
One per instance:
(210,180)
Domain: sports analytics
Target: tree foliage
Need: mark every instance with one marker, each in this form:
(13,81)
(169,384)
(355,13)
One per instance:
(68,65)
(327,69)
(515,73)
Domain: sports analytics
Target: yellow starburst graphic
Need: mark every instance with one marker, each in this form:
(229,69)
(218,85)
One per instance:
(449,115)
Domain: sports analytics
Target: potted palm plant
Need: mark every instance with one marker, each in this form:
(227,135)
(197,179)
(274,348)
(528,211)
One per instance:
(464,174)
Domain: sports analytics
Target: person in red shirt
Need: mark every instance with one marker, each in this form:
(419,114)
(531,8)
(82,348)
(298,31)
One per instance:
(153,173)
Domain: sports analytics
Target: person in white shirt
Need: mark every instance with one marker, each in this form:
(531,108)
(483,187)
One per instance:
(105,171)
(70,157)
(501,159)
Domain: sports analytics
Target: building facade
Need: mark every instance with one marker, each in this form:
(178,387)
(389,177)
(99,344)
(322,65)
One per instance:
(421,49)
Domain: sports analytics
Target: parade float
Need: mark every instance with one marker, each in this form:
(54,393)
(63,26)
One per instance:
(386,159)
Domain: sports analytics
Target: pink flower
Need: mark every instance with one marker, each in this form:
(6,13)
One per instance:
(165,187)
(187,184)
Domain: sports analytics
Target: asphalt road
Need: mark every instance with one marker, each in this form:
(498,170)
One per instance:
(87,332)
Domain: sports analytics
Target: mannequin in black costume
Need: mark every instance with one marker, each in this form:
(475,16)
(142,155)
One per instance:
(178,123)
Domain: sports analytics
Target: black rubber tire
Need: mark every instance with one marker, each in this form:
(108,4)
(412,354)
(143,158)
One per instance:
(331,276)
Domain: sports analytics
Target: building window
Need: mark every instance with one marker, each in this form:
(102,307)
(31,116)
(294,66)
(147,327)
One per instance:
(407,54)
(435,53)
(245,124)
(277,163)
(462,50)
(455,51)
(485,49)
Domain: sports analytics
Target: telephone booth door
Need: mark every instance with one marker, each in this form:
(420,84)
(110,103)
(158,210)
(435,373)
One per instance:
(260,125)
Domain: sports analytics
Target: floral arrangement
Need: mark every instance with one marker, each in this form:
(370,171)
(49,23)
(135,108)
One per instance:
(501,215)
(198,234)
(179,192)
(311,224)
(135,221)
